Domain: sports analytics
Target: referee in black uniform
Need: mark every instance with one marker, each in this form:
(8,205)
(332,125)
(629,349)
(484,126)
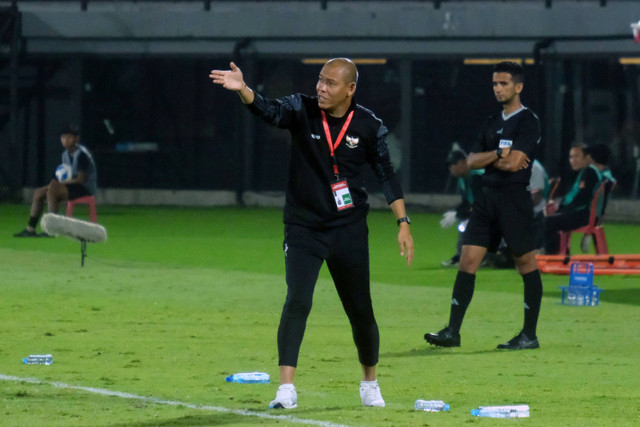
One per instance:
(333,139)
(505,148)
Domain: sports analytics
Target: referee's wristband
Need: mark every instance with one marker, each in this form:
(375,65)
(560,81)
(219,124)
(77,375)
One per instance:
(404,219)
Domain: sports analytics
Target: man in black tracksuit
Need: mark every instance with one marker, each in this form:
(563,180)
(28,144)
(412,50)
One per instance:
(333,138)
(505,149)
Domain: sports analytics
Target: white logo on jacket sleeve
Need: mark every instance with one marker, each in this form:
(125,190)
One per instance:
(352,141)
(314,136)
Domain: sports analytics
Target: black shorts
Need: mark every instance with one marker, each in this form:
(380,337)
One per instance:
(502,212)
(77,190)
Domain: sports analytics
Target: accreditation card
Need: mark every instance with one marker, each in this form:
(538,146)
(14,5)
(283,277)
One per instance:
(342,195)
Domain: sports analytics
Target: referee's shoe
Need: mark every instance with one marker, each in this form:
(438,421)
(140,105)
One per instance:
(444,338)
(520,342)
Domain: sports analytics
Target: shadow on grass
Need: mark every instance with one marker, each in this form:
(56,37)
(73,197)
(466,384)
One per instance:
(218,419)
(436,351)
(621,296)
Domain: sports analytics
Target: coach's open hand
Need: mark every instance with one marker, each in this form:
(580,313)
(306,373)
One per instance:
(233,80)
(229,79)
(406,242)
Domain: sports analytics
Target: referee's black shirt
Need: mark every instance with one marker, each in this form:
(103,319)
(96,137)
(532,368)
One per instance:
(309,200)
(522,128)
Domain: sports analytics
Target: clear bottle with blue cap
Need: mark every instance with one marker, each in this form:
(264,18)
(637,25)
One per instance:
(431,405)
(248,378)
(506,411)
(38,359)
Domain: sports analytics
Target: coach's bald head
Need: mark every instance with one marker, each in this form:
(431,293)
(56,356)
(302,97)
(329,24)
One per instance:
(349,69)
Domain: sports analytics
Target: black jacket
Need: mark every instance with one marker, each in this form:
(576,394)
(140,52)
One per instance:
(309,199)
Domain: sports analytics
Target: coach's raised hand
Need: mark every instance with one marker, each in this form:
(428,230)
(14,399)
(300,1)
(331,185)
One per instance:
(233,80)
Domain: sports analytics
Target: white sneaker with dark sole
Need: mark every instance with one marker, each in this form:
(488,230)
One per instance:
(286,398)
(370,394)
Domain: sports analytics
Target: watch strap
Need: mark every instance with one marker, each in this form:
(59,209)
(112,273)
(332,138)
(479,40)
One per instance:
(404,219)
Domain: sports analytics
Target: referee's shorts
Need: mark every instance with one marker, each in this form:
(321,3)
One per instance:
(503,212)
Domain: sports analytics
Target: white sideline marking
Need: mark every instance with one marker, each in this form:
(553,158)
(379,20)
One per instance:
(105,392)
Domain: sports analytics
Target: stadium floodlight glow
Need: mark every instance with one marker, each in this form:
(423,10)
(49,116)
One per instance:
(493,61)
(84,231)
(635,28)
(629,61)
(358,61)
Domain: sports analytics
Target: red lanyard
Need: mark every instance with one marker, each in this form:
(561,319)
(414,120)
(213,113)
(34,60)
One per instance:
(332,146)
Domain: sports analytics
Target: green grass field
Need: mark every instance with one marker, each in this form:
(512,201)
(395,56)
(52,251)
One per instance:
(177,299)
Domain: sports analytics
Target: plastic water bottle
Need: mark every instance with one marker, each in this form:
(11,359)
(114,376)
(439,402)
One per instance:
(38,359)
(508,411)
(248,378)
(431,405)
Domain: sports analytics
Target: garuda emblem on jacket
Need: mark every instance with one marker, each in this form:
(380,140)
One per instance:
(352,141)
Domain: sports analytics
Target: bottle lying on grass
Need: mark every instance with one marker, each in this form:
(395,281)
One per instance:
(248,378)
(508,411)
(431,405)
(38,359)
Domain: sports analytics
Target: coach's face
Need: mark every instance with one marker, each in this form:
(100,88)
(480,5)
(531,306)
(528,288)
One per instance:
(504,88)
(333,90)
(577,159)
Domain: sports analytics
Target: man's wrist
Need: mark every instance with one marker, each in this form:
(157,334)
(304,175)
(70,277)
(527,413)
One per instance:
(499,152)
(404,219)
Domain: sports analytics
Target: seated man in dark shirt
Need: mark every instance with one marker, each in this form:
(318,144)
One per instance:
(469,184)
(575,207)
(600,154)
(81,182)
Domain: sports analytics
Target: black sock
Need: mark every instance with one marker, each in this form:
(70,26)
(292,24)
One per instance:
(33,221)
(460,299)
(532,300)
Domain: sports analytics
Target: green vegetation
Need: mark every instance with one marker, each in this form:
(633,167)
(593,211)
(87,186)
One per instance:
(178,298)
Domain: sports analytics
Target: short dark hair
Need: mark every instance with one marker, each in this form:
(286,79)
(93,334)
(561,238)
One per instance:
(454,157)
(70,129)
(513,68)
(599,153)
(581,145)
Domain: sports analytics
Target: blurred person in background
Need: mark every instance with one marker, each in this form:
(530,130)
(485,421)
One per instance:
(573,212)
(539,188)
(469,183)
(82,180)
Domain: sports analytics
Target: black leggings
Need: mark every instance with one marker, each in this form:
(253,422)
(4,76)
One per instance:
(346,251)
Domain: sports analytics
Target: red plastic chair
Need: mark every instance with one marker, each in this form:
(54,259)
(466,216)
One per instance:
(552,206)
(593,228)
(85,200)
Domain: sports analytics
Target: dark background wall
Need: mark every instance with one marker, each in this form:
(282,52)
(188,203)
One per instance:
(137,72)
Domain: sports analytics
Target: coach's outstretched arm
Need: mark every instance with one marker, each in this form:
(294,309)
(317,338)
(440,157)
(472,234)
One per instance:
(233,80)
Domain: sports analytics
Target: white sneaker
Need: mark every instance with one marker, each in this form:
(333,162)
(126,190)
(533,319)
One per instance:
(286,398)
(370,393)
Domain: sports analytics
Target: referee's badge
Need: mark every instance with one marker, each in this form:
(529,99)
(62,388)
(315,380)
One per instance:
(505,143)
(352,141)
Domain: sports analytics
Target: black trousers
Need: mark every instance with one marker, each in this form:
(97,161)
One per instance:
(346,251)
(563,221)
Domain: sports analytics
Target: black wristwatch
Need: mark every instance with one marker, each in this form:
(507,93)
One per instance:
(404,219)
(499,152)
